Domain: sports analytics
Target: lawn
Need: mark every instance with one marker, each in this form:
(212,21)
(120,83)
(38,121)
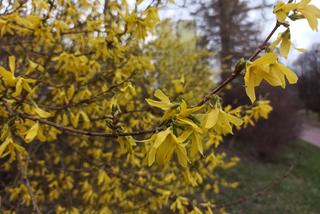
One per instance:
(298,193)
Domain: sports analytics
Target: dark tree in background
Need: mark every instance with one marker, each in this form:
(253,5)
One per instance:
(228,29)
(308,68)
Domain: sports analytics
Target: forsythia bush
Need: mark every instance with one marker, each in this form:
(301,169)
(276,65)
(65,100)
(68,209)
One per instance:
(97,119)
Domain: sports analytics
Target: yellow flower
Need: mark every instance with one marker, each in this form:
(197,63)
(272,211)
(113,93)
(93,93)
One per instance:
(164,103)
(41,113)
(284,39)
(282,9)
(9,147)
(10,80)
(267,68)
(182,116)
(185,111)
(8,76)
(165,143)
(196,144)
(193,130)
(32,132)
(262,109)
(220,121)
(310,12)
(179,85)
(285,44)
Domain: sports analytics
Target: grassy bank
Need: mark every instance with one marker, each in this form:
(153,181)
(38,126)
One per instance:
(299,193)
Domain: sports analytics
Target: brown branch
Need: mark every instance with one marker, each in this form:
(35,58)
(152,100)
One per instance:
(105,7)
(88,133)
(72,105)
(23,167)
(74,131)
(238,70)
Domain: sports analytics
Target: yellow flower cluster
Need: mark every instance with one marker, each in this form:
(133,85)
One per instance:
(269,69)
(307,10)
(187,129)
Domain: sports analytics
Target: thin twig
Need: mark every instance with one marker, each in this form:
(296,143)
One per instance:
(238,70)
(23,167)
(88,133)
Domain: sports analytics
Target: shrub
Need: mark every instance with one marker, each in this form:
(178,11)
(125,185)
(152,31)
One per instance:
(267,137)
(87,125)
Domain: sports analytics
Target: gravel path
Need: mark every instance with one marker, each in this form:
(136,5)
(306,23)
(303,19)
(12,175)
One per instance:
(311,134)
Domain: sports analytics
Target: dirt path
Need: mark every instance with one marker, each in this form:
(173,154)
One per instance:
(311,134)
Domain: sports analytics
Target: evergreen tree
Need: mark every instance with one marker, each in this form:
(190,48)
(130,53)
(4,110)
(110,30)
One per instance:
(227,27)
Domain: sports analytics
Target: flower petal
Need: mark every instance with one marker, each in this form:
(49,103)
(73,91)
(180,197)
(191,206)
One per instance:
(211,118)
(12,63)
(161,96)
(290,75)
(249,86)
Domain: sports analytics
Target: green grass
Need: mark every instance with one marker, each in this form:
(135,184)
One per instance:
(299,193)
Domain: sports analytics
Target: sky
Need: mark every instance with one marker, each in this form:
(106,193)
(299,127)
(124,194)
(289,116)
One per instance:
(301,34)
